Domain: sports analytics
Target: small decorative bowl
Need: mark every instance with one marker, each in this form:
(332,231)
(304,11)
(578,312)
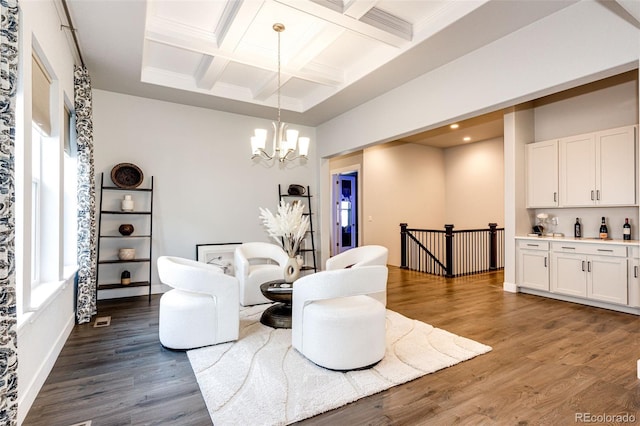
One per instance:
(126,229)
(126,254)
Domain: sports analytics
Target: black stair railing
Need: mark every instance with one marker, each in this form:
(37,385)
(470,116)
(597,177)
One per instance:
(450,252)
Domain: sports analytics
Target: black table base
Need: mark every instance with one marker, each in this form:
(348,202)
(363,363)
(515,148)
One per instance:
(277,316)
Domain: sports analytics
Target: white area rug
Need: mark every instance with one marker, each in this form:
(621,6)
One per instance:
(262,380)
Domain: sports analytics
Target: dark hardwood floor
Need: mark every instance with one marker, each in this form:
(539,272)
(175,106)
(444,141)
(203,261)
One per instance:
(551,361)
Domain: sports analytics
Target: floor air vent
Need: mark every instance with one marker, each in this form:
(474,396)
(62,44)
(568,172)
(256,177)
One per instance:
(100,322)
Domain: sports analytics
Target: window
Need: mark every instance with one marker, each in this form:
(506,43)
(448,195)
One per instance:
(46,224)
(40,179)
(70,203)
(36,185)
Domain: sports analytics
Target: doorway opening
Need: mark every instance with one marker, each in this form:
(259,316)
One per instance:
(345,214)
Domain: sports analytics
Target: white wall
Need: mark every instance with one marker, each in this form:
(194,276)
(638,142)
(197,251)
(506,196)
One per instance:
(474,181)
(40,341)
(604,104)
(402,183)
(208,190)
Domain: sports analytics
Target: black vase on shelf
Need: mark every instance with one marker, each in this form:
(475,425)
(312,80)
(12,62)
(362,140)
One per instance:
(126,229)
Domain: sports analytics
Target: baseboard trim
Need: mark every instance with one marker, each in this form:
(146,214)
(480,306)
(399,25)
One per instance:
(581,301)
(509,287)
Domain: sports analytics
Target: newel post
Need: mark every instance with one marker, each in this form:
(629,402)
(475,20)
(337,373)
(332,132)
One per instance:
(403,246)
(493,247)
(448,237)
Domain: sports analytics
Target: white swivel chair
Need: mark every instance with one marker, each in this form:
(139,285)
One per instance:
(338,317)
(256,263)
(202,308)
(359,256)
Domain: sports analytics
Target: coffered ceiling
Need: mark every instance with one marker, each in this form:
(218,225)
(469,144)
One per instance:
(229,49)
(335,54)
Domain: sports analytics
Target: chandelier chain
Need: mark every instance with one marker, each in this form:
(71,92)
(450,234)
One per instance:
(279,83)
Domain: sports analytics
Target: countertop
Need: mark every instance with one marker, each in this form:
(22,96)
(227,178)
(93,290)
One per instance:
(591,240)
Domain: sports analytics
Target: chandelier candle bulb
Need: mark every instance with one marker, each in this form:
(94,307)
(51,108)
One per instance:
(303,146)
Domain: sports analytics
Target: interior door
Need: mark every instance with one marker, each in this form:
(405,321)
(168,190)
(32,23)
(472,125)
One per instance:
(345,214)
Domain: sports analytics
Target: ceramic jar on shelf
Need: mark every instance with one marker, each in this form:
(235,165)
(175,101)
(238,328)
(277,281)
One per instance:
(127,254)
(127,204)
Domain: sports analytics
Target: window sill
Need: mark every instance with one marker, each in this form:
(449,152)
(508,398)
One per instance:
(44,294)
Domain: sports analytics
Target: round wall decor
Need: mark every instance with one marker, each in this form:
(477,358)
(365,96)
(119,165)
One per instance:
(127,175)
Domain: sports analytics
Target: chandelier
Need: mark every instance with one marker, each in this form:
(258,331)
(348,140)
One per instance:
(285,140)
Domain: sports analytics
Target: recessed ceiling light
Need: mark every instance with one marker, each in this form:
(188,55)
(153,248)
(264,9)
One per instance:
(466,139)
(454,126)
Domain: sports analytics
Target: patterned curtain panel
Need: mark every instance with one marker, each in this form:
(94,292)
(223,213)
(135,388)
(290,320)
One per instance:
(8,335)
(87,260)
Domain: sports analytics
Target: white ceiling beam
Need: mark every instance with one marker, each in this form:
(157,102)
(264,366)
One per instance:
(358,8)
(311,48)
(388,35)
(234,22)
(387,22)
(198,45)
(209,71)
(631,6)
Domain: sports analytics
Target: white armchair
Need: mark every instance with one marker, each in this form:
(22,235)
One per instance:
(202,308)
(338,317)
(359,256)
(256,263)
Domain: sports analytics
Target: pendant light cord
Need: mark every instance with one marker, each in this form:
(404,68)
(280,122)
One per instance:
(278,30)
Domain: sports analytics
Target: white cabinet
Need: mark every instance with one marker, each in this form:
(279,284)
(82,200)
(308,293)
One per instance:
(598,168)
(577,170)
(533,264)
(542,174)
(597,272)
(569,274)
(634,278)
(616,166)
(607,279)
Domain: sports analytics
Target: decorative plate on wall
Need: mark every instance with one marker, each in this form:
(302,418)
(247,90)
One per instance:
(127,175)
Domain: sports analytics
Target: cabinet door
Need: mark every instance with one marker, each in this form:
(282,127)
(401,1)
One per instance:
(634,283)
(542,174)
(533,271)
(577,170)
(607,279)
(569,274)
(615,166)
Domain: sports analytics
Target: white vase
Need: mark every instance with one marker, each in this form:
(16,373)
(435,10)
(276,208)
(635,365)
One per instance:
(127,204)
(291,270)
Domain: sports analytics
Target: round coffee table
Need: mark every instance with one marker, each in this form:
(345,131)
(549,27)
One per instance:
(278,315)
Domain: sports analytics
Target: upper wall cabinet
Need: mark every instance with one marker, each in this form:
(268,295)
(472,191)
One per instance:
(542,174)
(598,169)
